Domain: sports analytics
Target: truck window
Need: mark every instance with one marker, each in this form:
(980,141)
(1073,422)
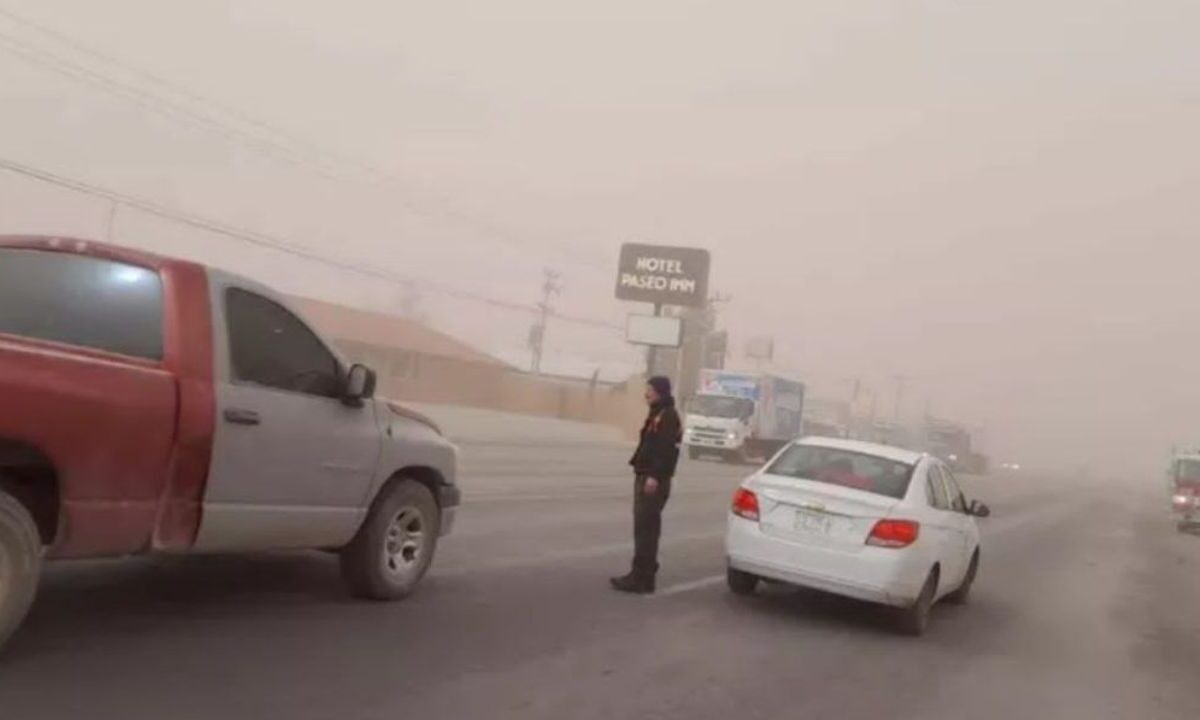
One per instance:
(1187,469)
(84,301)
(270,346)
(721,406)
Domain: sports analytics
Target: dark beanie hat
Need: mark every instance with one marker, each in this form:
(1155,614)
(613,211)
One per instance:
(661,385)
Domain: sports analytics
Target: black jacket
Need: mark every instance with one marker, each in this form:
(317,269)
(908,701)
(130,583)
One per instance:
(657,453)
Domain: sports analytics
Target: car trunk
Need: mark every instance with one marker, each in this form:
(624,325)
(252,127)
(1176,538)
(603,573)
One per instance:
(815,513)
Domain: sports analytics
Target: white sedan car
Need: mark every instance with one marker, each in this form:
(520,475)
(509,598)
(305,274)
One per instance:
(857,519)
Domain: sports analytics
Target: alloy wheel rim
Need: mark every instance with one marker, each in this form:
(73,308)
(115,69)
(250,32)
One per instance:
(404,543)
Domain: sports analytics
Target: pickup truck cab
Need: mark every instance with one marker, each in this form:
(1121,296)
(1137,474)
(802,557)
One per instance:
(155,405)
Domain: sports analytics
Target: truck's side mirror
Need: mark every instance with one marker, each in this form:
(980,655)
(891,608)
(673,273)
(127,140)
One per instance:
(360,385)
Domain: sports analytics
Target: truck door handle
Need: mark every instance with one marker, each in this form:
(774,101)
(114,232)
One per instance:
(242,417)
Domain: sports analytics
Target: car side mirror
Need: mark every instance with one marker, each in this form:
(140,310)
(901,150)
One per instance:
(360,385)
(979,509)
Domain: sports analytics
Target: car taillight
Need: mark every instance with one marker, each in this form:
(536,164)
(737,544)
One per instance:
(894,533)
(745,504)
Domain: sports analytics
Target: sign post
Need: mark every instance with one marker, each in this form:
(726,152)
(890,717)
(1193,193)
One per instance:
(663,275)
(652,351)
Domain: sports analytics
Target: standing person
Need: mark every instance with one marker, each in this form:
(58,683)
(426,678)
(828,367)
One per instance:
(653,467)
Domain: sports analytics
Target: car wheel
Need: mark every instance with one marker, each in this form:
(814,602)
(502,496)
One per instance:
(741,583)
(694,453)
(960,596)
(395,545)
(915,618)
(20,564)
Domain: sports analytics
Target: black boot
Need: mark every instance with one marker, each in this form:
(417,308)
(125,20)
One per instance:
(633,583)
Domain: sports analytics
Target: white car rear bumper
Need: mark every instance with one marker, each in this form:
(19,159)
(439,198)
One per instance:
(880,575)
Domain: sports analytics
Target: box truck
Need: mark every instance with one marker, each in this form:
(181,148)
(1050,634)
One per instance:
(741,416)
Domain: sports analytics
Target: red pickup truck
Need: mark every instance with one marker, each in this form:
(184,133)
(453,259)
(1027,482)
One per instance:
(154,405)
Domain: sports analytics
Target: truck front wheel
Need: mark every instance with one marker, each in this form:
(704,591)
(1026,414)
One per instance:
(395,545)
(20,563)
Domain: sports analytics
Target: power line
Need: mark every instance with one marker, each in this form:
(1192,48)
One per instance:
(273,242)
(314,159)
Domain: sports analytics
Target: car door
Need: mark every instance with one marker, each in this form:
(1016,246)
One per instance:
(945,526)
(968,531)
(291,463)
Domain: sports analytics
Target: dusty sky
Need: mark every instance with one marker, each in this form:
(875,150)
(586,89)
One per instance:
(995,200)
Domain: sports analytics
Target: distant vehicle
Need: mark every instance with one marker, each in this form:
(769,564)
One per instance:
(824,417)
(857,519)
(951,443)
(1183,484)
(739,416)
(152,405)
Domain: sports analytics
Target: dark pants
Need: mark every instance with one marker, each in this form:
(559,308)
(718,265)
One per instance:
(647,525)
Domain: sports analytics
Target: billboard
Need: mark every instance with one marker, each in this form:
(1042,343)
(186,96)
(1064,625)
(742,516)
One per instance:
(663,275)
(654,330)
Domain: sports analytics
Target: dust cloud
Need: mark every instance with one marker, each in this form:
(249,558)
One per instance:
(993,202)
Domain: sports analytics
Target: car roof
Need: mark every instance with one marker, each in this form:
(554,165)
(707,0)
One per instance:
(888,452)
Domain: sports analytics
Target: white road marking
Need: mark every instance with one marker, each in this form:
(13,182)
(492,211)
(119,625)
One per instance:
(691,585)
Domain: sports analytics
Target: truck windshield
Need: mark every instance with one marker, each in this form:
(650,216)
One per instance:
(84,301)
(1187,470)
(721,406)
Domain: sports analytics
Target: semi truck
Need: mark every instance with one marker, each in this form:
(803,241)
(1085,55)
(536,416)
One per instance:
(739,416)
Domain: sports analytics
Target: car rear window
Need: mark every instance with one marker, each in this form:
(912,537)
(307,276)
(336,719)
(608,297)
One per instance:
(84,301)
(859,471)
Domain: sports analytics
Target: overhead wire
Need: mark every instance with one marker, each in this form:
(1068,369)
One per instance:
(277,243)
(314,160)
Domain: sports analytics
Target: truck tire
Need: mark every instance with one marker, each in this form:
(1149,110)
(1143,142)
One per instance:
(395,545)
(20,564)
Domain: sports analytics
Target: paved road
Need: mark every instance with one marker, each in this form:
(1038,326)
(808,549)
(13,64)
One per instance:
(1088,606)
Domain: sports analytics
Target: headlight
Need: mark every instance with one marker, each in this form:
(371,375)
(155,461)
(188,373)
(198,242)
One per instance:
(1182,500)
(731,435)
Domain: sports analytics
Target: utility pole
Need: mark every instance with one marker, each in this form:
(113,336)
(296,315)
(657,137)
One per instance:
(110,225)
(551,286)
(410,302)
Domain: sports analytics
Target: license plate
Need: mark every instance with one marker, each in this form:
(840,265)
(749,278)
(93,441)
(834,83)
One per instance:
(813,522)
